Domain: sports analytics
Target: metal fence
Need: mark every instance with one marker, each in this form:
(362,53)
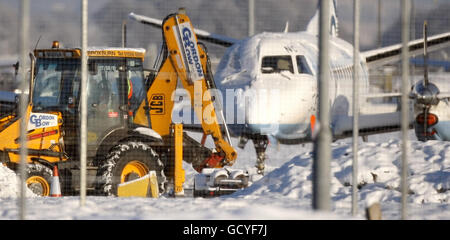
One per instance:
(305,132)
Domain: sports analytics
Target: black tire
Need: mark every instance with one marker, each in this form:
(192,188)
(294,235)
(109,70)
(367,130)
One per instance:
(110,171)
(39,179)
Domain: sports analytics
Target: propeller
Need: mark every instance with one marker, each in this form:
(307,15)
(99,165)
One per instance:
(425,93)
(425,54)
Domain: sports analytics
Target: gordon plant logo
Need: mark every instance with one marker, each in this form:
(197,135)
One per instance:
(191,51)
(42,120)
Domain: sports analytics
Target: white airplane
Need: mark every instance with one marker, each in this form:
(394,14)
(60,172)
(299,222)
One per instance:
(269,81)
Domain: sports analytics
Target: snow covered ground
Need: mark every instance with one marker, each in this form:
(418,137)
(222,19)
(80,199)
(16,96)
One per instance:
(283,193)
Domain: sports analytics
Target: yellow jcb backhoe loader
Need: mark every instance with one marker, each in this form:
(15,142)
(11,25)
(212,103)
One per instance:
(130,130)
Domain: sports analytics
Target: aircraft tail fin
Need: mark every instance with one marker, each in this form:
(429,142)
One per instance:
(286,28)
(313,25)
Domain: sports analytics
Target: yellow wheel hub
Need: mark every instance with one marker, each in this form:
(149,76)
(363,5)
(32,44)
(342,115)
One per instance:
(133,170)
(38,185)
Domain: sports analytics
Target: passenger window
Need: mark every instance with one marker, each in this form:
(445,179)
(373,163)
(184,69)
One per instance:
(302,65)
(276,64)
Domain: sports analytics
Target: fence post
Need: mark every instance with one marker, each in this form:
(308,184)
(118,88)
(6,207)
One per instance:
(83,122)
(356,64)
(124,33)
(404,103)
(251,17)
(322,146)
(23,38)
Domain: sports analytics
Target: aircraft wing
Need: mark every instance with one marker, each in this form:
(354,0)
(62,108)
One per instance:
(390,54)
(374,118)
(389,120)
(201,34)
(369,124)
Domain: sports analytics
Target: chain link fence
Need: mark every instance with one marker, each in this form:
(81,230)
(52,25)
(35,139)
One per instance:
(268,96)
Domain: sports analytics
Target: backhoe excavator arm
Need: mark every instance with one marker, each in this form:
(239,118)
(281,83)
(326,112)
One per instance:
(188,62)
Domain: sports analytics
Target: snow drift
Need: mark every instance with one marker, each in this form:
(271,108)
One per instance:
(9,184)
(285,192)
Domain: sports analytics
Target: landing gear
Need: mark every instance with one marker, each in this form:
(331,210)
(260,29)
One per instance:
(260,142)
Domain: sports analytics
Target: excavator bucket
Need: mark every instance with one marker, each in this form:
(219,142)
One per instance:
(213,182)
(146,186)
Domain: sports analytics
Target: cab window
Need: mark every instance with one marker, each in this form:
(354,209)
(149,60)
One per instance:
(54,83)
(136,89)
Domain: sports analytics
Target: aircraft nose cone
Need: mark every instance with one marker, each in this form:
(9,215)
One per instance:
(284,110)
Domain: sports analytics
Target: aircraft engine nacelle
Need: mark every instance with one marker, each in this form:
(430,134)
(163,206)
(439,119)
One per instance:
(425,96)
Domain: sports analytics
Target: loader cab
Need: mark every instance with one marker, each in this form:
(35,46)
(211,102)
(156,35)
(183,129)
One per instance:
(114,91)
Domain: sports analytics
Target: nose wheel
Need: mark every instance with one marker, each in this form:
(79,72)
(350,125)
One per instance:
(261,143)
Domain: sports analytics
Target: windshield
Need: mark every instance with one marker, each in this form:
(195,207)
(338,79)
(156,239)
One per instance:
(54,82)
(57,83)
(276,64)
(104,84)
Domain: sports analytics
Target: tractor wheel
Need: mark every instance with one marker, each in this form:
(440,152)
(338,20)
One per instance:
(127,162)
(39,179)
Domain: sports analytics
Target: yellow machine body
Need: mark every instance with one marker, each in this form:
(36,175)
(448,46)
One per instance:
(179,175)
(42,142)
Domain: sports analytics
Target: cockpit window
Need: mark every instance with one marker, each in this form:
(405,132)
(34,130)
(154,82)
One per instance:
(302,65)
(276,64)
